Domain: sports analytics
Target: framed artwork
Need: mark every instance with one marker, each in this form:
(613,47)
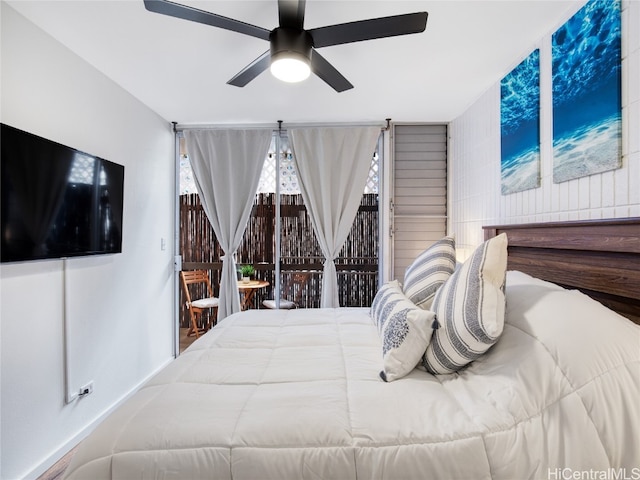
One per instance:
(587,110)
(520,126)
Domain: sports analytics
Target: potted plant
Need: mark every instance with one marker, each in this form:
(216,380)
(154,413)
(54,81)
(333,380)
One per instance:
(247,271)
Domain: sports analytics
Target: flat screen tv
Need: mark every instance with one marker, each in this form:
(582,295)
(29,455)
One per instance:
(57,201)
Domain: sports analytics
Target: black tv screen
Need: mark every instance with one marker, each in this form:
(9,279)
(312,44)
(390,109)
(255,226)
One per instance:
(57,201)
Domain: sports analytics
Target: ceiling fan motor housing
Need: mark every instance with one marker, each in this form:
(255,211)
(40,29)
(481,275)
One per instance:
(290,42)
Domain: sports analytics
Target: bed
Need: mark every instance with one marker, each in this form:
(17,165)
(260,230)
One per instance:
(297,394)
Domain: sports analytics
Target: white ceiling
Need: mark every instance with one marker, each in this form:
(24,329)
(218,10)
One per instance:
(180,69)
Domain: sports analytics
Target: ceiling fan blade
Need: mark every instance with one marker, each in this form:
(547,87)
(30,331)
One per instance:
(165,7)
(252,70)
(328,73)
(291,13)
(369,29)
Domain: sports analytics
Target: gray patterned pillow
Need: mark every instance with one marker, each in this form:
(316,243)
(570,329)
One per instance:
(469,309)
(404,329)
(429,271)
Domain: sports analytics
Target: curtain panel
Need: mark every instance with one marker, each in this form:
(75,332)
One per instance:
(333,165)
(226,167)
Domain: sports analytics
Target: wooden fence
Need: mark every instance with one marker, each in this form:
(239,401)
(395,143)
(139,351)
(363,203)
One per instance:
(357,263)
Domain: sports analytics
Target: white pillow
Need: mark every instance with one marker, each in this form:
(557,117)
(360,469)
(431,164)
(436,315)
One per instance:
(405,331)
(429,271)
(469,309)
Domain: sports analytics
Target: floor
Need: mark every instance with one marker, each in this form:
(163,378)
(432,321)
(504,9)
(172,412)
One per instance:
(184,340)
(57,470)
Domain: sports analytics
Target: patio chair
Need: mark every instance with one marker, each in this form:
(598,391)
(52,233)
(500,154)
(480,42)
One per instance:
(197,307)
(293,290)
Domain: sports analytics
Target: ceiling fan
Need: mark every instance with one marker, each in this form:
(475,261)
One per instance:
(293,53)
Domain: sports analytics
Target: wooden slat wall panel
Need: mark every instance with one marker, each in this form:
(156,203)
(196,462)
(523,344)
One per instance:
(420,191)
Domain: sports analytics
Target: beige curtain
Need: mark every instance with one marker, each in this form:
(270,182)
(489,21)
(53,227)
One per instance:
(333,165)
(226,167)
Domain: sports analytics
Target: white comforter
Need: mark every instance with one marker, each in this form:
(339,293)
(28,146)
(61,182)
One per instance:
(296,395)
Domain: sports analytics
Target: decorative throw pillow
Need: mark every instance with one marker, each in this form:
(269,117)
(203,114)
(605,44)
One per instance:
(469,309)
(429,271)
(405,331)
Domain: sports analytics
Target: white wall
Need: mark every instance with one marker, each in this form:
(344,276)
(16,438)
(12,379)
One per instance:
(120,307)
(474,158)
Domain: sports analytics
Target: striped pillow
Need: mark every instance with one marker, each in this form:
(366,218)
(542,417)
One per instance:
(429,271)
(469,309)
(405,331)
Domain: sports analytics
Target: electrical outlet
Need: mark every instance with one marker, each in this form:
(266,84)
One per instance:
(86,389)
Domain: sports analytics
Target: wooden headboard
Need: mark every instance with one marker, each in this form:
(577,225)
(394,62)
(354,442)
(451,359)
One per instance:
(599,257)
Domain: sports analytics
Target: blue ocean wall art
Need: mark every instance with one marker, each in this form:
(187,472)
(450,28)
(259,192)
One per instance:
(587,110)
(520,126)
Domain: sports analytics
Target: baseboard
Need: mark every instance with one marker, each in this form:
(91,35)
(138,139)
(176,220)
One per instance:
(61,451)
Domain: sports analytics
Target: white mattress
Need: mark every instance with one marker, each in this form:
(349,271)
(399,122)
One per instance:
(295,394)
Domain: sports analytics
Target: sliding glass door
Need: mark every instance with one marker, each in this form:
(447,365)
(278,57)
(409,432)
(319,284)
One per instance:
(279,241)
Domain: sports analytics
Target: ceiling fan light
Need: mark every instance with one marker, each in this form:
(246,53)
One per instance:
(290,68)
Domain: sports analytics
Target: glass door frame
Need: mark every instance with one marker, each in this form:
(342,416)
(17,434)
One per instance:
(383,224)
